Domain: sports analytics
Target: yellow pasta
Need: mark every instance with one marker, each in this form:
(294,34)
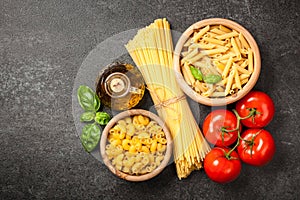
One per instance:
(243,41)
(235,48)
(202,46)
(229,82)
(152,51)
(197,57)
(225,29)
(242,70)
(134,151)
(214,51)
(227,35)
(237,78)
(250,60)
(227,50)
(217,31)
(214,41)
(201,33)
(227,68)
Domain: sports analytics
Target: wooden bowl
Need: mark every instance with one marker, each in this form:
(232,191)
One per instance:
(224,100)
(105,134)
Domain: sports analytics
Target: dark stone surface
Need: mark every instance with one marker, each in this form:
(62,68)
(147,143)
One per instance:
(42,46)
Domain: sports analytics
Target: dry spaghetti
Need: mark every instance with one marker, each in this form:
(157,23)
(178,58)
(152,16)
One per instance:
(152,51)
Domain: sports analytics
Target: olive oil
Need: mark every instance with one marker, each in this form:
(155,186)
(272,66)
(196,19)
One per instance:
(120,86)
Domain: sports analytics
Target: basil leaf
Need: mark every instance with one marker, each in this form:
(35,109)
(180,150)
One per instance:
(87,99)
(97,102)
(90,137)
(87,116)
(102,118)
(212,78)
(196,73)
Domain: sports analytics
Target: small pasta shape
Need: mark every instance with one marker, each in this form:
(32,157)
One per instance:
(122,122)
(136,167)
(143,120)
(126,169)
(161,147)
(132,149)
(115,142)
(162,140)
(153,146)
(144,135)
(128,120)
(139,127)
(158,160)
(136,145)
(130,129)
(126,144)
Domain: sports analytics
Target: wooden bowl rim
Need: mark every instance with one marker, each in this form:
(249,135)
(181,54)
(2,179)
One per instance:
(229,99)
(122,115)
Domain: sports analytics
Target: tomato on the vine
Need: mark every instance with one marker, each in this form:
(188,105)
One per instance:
(260,105)
(220,167)
(257,147)
(218,126)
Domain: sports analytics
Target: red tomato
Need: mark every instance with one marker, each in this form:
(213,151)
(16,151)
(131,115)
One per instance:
(221,169)
(262,106)
(215,122)
(258,149)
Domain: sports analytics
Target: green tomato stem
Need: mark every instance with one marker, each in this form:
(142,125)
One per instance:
(227,155)
(253,112)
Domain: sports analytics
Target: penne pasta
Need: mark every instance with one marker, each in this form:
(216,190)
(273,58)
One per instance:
(235,48)
(189,75)
(242,70)
(187,43)
(217,31)
(197,57)
(229,82)
(217,50)
(244,76)
(243,41)
(220,66)
(238,42)
(237,78)
(218,94)
(200,33)
(225,29)
(190,55)
(202,46)
(234,86)
(250,60)
(227,35)
(214,41)
(227,68)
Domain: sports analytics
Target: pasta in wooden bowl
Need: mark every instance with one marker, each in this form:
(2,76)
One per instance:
(216,61)
(136,145)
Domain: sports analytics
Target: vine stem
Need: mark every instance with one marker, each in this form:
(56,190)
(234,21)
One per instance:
(239,118)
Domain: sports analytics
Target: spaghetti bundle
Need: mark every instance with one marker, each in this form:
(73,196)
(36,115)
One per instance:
(152,51)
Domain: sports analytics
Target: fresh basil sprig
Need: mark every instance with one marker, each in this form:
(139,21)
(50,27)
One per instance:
(90,103)
(102,118)
(88,99)
(212,78)
(197,74)
(87,116)
(90,136)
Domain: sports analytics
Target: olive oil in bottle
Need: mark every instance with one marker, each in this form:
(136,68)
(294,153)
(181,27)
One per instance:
(120,86)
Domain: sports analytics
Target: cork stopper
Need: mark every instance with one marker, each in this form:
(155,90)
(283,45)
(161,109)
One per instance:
(117,85)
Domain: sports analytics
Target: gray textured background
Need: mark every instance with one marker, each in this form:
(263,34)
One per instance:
(42,46)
